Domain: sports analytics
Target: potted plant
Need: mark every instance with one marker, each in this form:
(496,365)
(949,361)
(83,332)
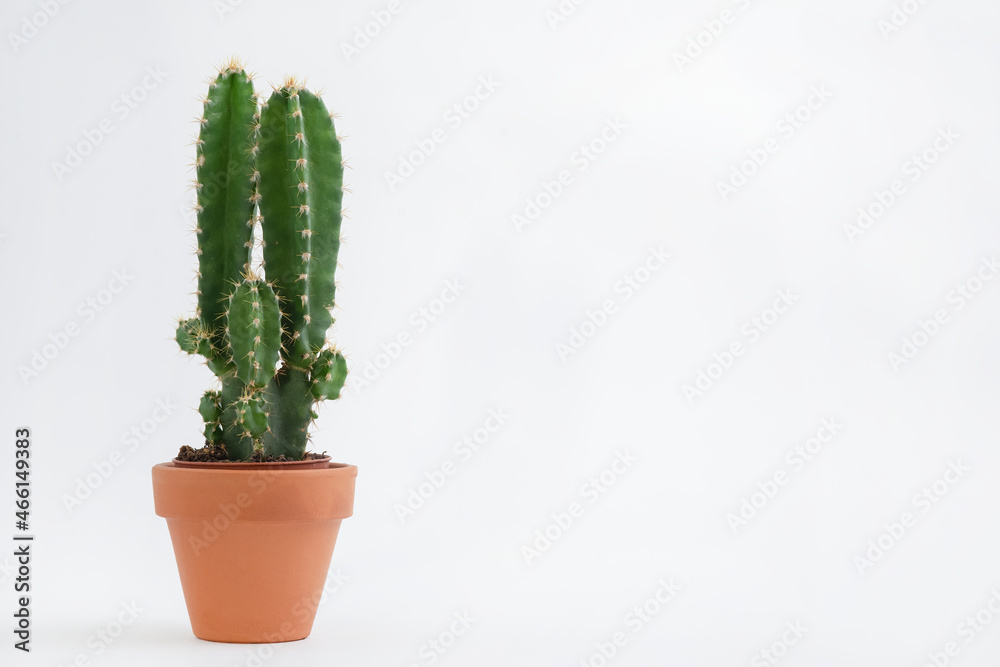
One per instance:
(252,516)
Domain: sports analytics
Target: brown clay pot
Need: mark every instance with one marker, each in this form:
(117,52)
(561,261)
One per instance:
(253,542)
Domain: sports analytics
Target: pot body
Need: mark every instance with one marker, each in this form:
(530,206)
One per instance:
(253,544)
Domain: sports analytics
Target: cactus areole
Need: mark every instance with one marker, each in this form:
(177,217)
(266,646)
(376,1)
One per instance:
(270,173)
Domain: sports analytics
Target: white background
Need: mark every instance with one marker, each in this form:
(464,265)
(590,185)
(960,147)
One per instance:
(686,127)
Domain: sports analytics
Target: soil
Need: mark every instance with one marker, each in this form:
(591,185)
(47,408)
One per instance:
(206,453)
(210,453)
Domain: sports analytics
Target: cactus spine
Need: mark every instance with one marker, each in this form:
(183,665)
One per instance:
(265,336)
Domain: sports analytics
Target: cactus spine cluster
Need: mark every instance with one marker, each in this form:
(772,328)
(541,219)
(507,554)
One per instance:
(276,166)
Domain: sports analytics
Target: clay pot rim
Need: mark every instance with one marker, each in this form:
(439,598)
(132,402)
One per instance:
(321,463)
(292,494)
(331,468)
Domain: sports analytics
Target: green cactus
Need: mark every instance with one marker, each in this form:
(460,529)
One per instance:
(301,187)
(280,166)
(211,412)
(253,326)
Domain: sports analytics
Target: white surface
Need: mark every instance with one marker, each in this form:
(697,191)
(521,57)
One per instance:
(495,346)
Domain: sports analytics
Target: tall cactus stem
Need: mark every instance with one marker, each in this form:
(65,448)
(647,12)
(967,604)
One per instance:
(302,192)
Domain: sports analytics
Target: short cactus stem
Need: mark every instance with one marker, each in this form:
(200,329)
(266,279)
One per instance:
(253,328)
(329,374)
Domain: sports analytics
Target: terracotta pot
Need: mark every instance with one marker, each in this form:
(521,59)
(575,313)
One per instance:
(253,542)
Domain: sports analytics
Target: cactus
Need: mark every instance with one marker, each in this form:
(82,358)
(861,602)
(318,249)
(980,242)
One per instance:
(263,333)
